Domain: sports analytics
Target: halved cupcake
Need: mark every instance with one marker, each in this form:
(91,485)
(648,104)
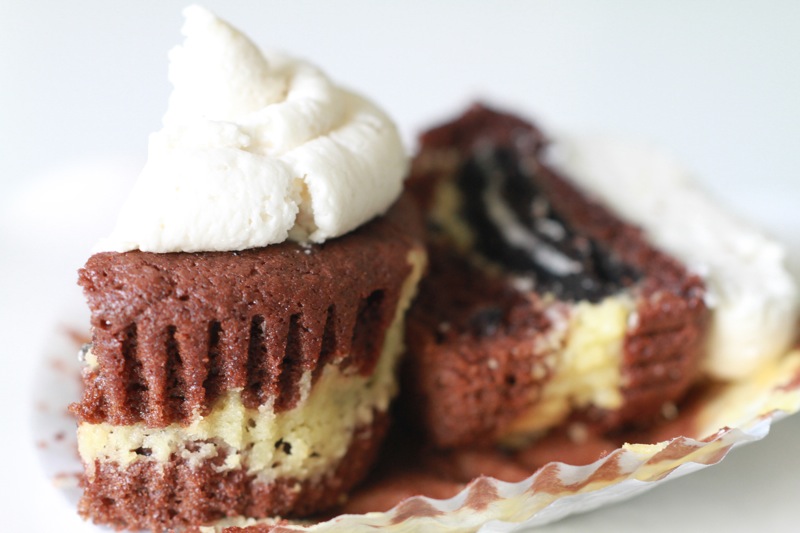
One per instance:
(544,307)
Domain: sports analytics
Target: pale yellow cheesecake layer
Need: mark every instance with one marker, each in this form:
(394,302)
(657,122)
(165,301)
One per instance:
(584,364)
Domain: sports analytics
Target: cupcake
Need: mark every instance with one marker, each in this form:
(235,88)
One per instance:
(248,308)
(551,302)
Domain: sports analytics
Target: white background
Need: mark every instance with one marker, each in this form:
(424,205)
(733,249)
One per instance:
(82,84)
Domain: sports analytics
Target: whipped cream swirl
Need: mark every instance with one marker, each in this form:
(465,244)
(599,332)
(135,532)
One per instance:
(256,149)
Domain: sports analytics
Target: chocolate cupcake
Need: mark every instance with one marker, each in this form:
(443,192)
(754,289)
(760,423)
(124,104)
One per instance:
(541,306)
(248,310)
(254,383)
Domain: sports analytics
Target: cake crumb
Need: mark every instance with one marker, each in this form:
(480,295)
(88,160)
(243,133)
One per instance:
(669,411)
(578,433)
(65,480)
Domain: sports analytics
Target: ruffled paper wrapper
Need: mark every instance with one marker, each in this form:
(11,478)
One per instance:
(723,417)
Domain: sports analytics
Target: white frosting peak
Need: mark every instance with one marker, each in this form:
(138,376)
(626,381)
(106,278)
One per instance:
(218,73)
(752,296)
(256,149)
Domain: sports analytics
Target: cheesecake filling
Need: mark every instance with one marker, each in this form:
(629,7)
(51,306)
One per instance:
(302,443)
(584,369)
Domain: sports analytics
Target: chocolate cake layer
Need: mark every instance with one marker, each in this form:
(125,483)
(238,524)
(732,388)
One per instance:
(171,332)
(510,238)
(171,495)
(471,350)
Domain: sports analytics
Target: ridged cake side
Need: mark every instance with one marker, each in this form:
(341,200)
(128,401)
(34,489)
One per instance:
(171,332)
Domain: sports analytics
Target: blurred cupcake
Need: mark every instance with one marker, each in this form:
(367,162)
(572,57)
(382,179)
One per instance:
(557,295)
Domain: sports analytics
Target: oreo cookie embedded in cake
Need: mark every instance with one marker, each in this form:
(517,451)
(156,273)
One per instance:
(541,305)
(248,309)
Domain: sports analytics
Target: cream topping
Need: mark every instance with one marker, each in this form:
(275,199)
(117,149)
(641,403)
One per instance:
(753,297)
(256,148)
